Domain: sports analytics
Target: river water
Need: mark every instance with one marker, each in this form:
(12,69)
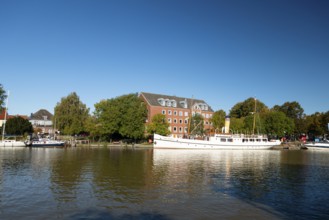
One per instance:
(116,183)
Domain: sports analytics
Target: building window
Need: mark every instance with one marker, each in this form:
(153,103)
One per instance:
(175,112)
(185,114)
(169,112)
(163,112)
(175,129)
(186,121)
(180,113)
(180,121)
(180,129)
(185,129)
(175,120)
(169,120)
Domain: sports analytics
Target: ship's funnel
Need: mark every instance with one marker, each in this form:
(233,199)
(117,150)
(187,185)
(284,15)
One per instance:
(227,124)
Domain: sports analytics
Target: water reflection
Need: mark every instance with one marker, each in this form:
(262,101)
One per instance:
(241,174)
(116,183)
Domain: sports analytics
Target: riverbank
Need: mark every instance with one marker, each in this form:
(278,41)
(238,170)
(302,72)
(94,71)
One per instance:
(296,145)
(113,144)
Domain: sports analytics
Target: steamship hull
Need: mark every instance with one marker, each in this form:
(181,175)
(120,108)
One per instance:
(217,142)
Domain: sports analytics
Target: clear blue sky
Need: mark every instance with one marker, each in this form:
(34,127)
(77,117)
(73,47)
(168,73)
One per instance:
(220,51)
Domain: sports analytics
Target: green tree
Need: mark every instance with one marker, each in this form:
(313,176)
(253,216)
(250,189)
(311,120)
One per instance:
(3,97)
(291,109)
(245,108)
(18,126)
(93,128)
(294,111)
(254,123)
(70,115)
(158,125)
(316,125)
(237,125)
(196,125)
(325,122)
(218,120)
(277,123)
(124,115)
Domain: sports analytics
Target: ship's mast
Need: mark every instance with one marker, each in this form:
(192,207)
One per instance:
(254,124)
(190,118)
(5,118)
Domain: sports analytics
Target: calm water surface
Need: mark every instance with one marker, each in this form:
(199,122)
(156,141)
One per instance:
(115,183)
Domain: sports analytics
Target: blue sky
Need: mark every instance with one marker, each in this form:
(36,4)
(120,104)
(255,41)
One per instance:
(220,51)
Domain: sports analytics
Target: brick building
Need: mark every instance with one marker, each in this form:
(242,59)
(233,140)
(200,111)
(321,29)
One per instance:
(177,111)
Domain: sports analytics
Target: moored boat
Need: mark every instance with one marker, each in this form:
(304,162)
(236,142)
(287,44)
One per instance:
(318,145)
(44,142)
(11,143)
(218,141)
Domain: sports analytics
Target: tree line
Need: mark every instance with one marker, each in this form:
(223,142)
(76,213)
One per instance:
(124,117)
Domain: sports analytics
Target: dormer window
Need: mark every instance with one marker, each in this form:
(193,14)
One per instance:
(173,103)
(168,103)
(183,103)
(161,101)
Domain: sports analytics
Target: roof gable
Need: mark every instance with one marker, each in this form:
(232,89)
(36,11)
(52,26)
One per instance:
(156,99)
(39,115)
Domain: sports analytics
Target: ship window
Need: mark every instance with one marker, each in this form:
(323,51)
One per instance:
(230,140)
(265,140)
(251,140)
(258,140)
(223,139)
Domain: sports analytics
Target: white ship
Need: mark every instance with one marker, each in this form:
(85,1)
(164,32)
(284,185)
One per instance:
(218,141)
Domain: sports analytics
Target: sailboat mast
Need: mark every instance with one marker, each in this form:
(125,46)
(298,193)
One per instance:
(5,118)
(254,124)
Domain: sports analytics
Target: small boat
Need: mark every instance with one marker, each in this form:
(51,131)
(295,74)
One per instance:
(218,141)
(318,145)
(44,142)
(11,143)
